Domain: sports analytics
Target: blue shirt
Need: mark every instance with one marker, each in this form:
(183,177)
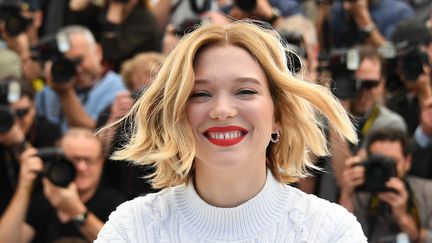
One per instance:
(386,14)
(94,100)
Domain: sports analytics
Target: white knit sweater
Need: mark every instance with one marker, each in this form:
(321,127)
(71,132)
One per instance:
(278,213)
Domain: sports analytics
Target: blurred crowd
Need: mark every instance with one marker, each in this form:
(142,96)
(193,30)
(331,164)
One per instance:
(70,67)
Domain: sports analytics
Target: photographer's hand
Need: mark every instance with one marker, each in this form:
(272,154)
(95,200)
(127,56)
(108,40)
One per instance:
(30,166)
(68,205)
(13,227)
(263,10)
(424,84)
(398,201)
(20,44)
(352,176)
(60,88)
(74,111)
(14,136)
(426,117)
(65,200)
(359,10)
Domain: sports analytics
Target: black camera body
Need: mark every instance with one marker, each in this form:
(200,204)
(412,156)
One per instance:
(294,42)
(57,168)
(378,170)
(9,92)
(246,5)
(405,59)
(15,23)
(342,64)
(53,47)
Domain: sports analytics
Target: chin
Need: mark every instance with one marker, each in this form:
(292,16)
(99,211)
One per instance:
(82,185)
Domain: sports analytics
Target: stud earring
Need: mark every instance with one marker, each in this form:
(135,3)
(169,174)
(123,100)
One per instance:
(275,137)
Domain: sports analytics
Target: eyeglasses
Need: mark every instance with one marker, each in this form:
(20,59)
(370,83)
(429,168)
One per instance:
(87,160)
(367,84)
(20,113)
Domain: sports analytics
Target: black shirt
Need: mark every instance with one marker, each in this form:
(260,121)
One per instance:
(44,220)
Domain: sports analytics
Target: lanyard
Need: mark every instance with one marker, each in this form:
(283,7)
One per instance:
(370,120)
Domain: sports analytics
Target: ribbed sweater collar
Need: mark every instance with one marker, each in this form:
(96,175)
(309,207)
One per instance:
(246,220)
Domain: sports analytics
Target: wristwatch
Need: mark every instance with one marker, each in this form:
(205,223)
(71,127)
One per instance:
(80,219)
(276,13)
(367,30)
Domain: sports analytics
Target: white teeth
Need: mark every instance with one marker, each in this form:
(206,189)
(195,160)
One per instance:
(225,135)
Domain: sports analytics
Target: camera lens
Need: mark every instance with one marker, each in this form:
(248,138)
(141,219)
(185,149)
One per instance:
(57,168)
(63,70)
(246,5)
(61,172)
(15,24)
(412,63)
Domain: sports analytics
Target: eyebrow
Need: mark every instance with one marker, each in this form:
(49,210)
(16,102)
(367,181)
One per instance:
(237,80)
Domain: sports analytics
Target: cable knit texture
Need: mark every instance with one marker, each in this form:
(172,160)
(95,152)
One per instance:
(278,213)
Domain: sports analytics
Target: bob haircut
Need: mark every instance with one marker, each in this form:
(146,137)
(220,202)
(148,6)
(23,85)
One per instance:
(162,136)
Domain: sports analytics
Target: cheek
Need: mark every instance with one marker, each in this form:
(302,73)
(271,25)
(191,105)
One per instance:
(192,115)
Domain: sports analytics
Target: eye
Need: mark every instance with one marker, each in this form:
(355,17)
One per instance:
(246,92)
(199,94)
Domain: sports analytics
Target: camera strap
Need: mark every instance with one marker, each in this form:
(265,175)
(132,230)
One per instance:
(363,126)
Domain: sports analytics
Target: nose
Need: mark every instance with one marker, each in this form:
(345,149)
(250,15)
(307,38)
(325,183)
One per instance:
(222,108)
(81,165)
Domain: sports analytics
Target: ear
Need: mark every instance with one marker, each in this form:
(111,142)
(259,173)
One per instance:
(99,52)
(276,126)
(407,163)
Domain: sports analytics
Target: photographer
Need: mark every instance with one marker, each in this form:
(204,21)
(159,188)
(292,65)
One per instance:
(422,143)
(138,74)
(79,87)
(129,28)
(76,210)
(361,91)
(399,203)
(19,127)
(20,22)
(411,77)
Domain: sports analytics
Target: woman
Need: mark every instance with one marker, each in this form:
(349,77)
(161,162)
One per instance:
(227,127)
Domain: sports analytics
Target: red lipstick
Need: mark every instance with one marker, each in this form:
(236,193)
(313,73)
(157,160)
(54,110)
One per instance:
(225,136)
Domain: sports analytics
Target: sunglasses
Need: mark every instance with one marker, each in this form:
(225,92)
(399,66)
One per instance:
(367,84)
(20,113)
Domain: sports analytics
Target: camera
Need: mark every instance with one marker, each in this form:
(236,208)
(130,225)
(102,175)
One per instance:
(57,168)
(342,64)
(406,58)
(245,5)
(10,92)
(53,47)
(294,42)
(190,24)
(10,13)
(378,170)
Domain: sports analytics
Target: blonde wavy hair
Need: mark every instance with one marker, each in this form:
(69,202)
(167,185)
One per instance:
(162,136)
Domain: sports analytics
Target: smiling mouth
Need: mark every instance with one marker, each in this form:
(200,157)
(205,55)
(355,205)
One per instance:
(225,136)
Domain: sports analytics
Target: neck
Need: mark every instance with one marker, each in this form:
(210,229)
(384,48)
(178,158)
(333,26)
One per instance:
(229,187)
